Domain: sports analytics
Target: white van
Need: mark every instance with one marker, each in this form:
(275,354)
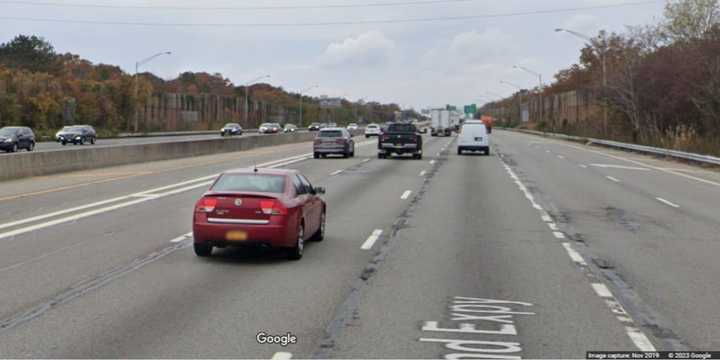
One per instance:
(474,137)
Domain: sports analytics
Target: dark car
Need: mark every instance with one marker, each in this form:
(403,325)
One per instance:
(231,129)
(76,134)
(333,141)
(271,208)
(314,127)
(14,138)
(400,139)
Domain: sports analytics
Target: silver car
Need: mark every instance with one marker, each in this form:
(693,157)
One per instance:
(333,141)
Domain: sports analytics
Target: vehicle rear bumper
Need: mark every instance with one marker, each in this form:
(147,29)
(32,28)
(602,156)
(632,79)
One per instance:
(6,146)
(273,236)
(330,150)
(474,147)
(401,149)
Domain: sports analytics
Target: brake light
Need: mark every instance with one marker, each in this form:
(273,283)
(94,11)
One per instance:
(206,205)
(272,207)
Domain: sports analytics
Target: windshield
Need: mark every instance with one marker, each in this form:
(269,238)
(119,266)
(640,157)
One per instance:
(8,131)
(401,128)
(230,125)
(266,125)
(330,133)
(250,183)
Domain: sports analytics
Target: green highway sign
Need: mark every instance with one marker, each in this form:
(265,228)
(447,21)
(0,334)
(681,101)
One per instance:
(470,109)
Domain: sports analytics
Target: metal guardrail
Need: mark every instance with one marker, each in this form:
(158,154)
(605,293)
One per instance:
(699,158)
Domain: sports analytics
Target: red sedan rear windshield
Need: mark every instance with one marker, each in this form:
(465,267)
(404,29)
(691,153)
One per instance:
(251,183)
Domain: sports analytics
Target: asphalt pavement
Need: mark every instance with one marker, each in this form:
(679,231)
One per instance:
(544,249)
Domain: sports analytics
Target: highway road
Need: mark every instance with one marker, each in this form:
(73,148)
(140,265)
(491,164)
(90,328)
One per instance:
(544,249)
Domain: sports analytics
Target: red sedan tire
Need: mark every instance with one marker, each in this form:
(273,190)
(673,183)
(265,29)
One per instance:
(320,233)
(203,250)
(296,252)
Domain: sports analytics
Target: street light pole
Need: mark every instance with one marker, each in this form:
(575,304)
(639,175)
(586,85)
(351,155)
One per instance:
(247,85)
(603,55)
(301,103)
(135,82)
(540,89)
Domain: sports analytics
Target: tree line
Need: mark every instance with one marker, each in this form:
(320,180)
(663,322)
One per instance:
(662,81)
(45,90)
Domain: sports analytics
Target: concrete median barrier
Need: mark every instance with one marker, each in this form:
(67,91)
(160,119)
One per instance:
(21,165)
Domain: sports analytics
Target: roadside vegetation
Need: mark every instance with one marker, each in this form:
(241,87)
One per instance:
(663,82)
(45,90)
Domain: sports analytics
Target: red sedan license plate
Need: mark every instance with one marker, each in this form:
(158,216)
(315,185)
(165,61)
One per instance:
(236,235)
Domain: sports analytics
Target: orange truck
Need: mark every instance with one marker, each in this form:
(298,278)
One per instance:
(488,121)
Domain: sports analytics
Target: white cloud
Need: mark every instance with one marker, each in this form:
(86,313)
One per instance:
(476,46)
(368,49)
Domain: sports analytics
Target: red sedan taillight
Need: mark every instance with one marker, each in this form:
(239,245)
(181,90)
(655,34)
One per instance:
(206,205)
(273,207)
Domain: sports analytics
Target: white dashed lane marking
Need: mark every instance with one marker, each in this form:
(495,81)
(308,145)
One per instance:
(282,356)
(422,173)
(368,244)
(638,338)
(406,195)
(574,255)
(666,202)
(336,172)
(613,179)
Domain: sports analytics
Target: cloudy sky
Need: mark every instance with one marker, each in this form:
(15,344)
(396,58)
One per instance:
(415,64)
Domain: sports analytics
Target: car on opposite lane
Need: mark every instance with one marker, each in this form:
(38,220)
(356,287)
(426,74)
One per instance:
(14,138)
(231,129)
(76,135)
(269,208)
(314,127)
(290,128)
(352,126)
(333,141)
(372,130)
(269,128)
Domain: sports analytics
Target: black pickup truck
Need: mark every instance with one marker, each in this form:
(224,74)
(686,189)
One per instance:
(400,139)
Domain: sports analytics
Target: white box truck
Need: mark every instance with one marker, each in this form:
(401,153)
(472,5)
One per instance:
(440,123)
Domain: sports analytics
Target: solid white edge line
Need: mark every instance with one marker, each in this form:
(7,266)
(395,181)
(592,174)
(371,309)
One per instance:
(666,202)
(612,179)
(282,355)
(406,195)
(639,339)
(546,218)
(558,234)
(602,290)
(574,255)
(553,226)
(62,212)
(368,244)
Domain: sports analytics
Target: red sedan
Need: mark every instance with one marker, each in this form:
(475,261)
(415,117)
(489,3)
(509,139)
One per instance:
(275,208)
